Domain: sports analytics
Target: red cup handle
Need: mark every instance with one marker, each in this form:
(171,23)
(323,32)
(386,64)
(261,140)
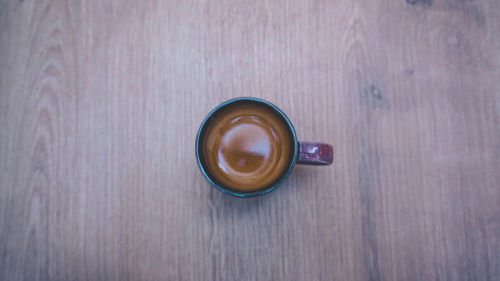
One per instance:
(314,153)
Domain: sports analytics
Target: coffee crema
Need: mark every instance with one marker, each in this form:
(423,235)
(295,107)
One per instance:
(247,147)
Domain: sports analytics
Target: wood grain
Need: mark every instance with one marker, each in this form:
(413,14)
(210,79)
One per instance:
(100,102)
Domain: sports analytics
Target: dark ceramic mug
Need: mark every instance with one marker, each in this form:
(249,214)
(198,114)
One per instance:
(283,148)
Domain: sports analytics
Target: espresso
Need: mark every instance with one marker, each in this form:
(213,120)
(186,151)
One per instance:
(247,147)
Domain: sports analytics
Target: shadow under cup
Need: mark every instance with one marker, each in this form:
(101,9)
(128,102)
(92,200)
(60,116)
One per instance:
(219,149)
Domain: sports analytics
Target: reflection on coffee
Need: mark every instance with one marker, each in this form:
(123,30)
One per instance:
(247,147)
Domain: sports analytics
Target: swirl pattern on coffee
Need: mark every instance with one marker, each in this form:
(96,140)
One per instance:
(247,147)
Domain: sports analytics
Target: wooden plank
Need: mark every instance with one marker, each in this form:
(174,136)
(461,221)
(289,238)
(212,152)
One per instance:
(100,102)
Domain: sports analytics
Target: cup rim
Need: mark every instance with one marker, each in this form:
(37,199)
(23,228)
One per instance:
(254,193)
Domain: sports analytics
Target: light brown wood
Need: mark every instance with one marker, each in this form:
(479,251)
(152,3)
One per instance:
(100,102)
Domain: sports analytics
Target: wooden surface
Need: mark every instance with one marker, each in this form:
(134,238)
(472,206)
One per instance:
(100,102)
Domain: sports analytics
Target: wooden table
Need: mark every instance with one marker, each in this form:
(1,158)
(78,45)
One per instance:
(100,102)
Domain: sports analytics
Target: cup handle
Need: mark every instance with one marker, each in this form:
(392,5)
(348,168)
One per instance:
(314,153)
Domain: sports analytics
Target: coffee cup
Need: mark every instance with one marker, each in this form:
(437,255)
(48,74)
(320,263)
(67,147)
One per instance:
(247,147)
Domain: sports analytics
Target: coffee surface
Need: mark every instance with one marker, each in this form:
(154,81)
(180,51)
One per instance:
(247,147)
